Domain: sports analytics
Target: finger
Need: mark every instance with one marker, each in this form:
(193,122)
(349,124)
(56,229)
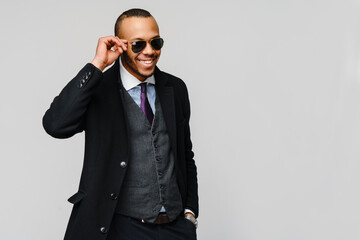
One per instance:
(113,45)
(118,49)
(116,40)
(111,41)
(123,43)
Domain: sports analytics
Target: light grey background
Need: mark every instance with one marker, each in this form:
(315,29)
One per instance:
(274,87)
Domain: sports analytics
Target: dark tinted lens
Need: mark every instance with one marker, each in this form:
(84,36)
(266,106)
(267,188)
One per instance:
(138,46)
(157,43)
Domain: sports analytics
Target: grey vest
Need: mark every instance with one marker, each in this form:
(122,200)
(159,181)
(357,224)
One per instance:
(150,181)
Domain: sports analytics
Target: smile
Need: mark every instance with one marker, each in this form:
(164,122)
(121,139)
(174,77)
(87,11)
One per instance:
(146,62)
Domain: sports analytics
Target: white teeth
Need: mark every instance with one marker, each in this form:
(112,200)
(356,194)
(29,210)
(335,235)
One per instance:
(147,62)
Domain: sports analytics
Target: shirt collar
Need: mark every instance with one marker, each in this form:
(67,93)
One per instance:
(129,81)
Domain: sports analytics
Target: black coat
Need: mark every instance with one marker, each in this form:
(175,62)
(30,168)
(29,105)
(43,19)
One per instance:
(91,102)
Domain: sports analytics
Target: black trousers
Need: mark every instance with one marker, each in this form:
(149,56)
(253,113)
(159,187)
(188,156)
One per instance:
(127,228)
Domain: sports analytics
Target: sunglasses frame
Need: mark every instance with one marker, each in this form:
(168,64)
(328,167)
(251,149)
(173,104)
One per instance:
(158,38)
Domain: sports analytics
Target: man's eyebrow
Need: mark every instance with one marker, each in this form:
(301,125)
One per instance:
(136,39)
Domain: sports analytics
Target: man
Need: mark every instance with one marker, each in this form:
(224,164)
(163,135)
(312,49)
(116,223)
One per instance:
(139,179)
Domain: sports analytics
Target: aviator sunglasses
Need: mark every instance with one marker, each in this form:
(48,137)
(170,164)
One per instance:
(155,43)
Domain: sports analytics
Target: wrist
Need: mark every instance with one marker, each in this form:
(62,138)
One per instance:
(187,210)
(98,64)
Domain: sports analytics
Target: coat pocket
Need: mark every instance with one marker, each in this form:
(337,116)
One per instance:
(77,197)
(74,217)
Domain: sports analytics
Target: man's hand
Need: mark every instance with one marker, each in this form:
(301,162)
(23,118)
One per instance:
(108,50)
(191,217)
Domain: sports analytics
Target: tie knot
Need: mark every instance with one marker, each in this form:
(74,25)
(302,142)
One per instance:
(143,87)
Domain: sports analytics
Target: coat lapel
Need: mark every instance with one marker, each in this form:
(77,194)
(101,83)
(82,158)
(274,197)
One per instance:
(166,98)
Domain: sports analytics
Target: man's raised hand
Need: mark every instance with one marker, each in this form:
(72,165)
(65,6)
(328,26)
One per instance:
(108,50)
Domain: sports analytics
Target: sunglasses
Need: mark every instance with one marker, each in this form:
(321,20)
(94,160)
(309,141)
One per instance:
(155,43)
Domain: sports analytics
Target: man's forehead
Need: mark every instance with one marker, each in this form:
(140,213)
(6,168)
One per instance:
(138,27)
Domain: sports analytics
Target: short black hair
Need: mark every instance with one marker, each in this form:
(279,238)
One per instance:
(134,12)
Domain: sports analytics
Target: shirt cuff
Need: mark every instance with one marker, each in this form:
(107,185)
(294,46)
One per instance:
(189,211)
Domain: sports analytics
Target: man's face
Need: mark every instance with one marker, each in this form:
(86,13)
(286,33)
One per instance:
(142,64)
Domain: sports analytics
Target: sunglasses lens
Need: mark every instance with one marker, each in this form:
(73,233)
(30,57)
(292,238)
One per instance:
(157,43)
(138,46)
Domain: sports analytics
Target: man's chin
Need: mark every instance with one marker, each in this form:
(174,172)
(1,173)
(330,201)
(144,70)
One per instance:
(146,74)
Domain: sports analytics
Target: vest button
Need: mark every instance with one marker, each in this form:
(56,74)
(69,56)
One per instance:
(103,230)
(123,164)
(113,196)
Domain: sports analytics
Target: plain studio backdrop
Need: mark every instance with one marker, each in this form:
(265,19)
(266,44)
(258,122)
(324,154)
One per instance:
(275,97)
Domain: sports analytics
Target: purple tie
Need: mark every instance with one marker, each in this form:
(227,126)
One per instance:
(145,106)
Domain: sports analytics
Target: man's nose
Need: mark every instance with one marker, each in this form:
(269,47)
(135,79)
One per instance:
(148,50)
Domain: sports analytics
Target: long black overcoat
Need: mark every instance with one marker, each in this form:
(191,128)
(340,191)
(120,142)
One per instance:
(91,102)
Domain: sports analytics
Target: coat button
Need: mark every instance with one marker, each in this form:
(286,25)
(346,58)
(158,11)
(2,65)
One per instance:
(113,196)
(103,230)
(123,164)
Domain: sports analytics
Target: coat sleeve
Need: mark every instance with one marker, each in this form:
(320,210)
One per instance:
(65,117)
(192,202)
